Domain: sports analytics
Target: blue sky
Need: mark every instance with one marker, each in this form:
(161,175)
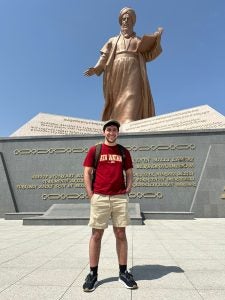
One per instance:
(46,45)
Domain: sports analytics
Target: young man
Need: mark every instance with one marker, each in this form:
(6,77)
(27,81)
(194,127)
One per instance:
(108,198)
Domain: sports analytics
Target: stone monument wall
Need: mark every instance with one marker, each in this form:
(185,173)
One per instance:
(180,171)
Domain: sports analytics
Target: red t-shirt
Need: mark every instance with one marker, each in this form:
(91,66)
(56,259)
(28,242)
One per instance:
(109,178)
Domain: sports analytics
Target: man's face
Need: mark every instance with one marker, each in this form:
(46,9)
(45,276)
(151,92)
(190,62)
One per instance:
(111,133)
(127,22)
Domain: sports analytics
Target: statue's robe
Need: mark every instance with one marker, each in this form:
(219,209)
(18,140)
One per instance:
(125,83)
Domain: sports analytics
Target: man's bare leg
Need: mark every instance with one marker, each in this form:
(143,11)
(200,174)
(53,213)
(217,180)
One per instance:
(125,277)
(121,244)
(94,254)
(95,246)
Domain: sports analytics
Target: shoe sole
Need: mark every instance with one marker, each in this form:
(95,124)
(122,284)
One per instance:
(94,287)
(127,286)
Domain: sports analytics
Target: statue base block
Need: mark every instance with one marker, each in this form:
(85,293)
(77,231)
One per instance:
(75,214)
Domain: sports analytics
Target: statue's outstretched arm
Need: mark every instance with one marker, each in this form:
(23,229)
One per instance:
(90,72)
(155,52)
(99,67)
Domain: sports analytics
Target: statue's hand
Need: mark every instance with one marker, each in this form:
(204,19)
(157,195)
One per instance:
(90,72)
(159,30)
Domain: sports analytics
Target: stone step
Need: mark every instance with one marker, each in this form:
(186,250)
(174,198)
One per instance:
(75,214)
(168,215)
(21,215)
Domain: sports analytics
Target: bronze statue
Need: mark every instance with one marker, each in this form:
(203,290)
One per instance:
(125,83)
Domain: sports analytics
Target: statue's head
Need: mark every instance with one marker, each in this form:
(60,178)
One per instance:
(127,13)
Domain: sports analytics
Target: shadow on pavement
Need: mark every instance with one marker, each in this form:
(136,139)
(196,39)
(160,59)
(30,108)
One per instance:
(151,272)
(106,280)
(147,272)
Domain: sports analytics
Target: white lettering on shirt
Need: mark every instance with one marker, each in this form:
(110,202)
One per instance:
(103,157)
(111,157)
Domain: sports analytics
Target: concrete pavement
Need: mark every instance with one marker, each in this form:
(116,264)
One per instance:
(170,259)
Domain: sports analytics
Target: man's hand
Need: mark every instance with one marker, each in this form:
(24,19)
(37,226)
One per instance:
(129,180)
(128,190)
(90,194)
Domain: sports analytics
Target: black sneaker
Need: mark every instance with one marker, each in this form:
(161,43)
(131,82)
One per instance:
(128,280)
(90,282)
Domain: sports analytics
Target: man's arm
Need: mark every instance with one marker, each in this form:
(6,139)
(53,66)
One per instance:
(129,180)
(88,181)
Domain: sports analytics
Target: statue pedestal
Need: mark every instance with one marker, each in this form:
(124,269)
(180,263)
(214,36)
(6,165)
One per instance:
(179,172)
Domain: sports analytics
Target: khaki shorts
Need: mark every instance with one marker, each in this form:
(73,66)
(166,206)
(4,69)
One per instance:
(104,207)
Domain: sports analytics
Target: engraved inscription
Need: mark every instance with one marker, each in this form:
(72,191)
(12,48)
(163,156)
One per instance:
(53,181)
(155,168)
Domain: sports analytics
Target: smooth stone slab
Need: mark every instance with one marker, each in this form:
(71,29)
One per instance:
(21,215)
(200,117)
(168,215)
(6,197)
